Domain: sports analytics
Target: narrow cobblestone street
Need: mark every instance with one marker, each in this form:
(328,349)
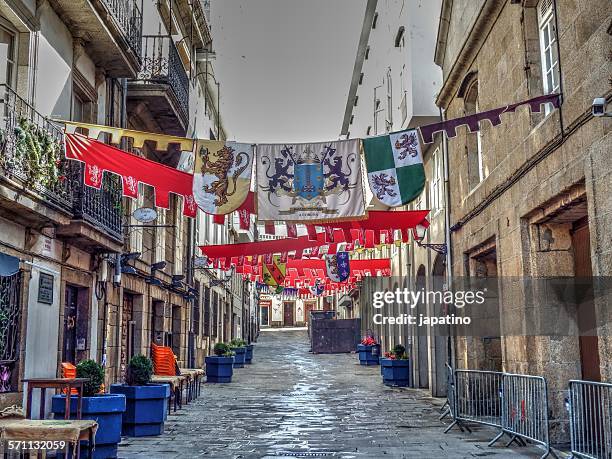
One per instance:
(291,403)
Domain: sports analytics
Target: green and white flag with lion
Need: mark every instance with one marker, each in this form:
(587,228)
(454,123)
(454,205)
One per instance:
(395,167)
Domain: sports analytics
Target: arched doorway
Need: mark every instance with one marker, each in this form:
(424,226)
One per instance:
(440,339)
(422,370)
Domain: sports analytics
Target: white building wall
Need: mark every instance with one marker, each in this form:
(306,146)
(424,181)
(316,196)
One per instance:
(413,74)
(53,91)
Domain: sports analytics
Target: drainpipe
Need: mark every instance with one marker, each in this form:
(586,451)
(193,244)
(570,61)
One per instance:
(447,235)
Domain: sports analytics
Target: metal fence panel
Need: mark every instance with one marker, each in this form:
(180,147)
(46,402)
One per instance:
(525,409)
(478,396)
(590,416)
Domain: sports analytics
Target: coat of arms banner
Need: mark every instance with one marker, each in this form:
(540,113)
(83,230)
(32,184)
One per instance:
(310,182)
(222,175)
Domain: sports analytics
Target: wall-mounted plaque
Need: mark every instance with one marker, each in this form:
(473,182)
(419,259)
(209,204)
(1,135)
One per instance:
(45,288)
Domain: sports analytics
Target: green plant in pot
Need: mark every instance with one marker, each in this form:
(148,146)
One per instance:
(219,367)
(395,367)
(140,371)
(239,347)
(222,350)
(147,404)
(106,409)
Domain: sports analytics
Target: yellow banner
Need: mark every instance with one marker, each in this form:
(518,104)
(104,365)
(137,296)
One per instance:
(138,137)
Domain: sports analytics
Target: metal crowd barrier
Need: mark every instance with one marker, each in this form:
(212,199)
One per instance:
(590,419)
(525,411)
(448,407)
(515,404)
(476,398)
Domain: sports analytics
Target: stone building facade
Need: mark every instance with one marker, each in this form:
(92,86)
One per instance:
(62,246)
(530,198)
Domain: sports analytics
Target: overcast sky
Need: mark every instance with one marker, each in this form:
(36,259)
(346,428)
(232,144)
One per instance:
(285,66)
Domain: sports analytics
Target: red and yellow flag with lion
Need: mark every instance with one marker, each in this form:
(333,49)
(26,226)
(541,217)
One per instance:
(222,175)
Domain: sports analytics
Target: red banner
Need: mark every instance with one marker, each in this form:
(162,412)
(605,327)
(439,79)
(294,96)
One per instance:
(99,158)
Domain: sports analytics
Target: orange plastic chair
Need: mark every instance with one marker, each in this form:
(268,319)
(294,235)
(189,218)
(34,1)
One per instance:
(164,362)
(69,371)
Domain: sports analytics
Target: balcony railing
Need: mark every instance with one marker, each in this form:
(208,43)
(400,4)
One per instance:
(102,208)
(32,151)
(161,64)
(128,16)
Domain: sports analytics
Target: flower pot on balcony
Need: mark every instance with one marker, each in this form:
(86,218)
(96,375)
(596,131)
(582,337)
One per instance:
(249,354)
(107,410)
(240,356)
(368,354)
(145,408)
(219,369)
(396,372)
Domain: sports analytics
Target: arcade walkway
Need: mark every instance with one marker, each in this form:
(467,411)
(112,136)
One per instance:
(290,403)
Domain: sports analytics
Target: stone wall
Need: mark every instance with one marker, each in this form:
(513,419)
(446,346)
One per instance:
(539,170)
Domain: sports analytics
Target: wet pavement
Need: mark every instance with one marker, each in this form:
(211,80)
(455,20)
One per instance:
(291,403)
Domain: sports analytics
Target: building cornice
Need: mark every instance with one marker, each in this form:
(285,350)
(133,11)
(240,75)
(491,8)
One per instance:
(476,37)
(361,50)
(445,15)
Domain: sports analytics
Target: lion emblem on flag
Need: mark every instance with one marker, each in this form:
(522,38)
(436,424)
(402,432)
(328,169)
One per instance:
(408,144)
(224,162)
(382,184)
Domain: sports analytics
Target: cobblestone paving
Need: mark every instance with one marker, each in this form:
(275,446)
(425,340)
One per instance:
(291,403)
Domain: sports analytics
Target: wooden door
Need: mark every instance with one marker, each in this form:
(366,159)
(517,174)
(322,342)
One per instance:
(70,324)
(587,323)
(288,313)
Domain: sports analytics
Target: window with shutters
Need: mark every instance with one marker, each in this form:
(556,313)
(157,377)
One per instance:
(548,48)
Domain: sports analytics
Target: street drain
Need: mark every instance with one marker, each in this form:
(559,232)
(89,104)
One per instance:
(304,453)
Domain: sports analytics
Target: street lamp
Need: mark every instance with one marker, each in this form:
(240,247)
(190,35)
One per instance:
(418,232)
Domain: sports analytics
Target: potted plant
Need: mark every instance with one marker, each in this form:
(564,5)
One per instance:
(219,367)
(369,351)
(106,409)
(396,367)
(248,357)
(239,347)
(145,402)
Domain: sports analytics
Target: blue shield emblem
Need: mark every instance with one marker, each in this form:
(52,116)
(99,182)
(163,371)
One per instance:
(308,180)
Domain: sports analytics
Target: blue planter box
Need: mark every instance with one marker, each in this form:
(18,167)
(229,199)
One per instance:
(219,369)
(107,410)
(380,359)
(145,408)
(368,355)
(240,356)
(249,354)
(396,372)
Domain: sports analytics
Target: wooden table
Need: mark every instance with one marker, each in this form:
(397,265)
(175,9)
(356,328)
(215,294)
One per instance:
(195,374)
(176,386)
(54,383)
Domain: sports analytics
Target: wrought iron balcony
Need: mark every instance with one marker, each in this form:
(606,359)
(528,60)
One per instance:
(33,151)
(163,84)
(102,208)
(129,17)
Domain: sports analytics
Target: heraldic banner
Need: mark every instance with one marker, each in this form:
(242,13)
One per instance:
(337,266)
(314,182)
(222,175)
(274,272)
(395,167)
